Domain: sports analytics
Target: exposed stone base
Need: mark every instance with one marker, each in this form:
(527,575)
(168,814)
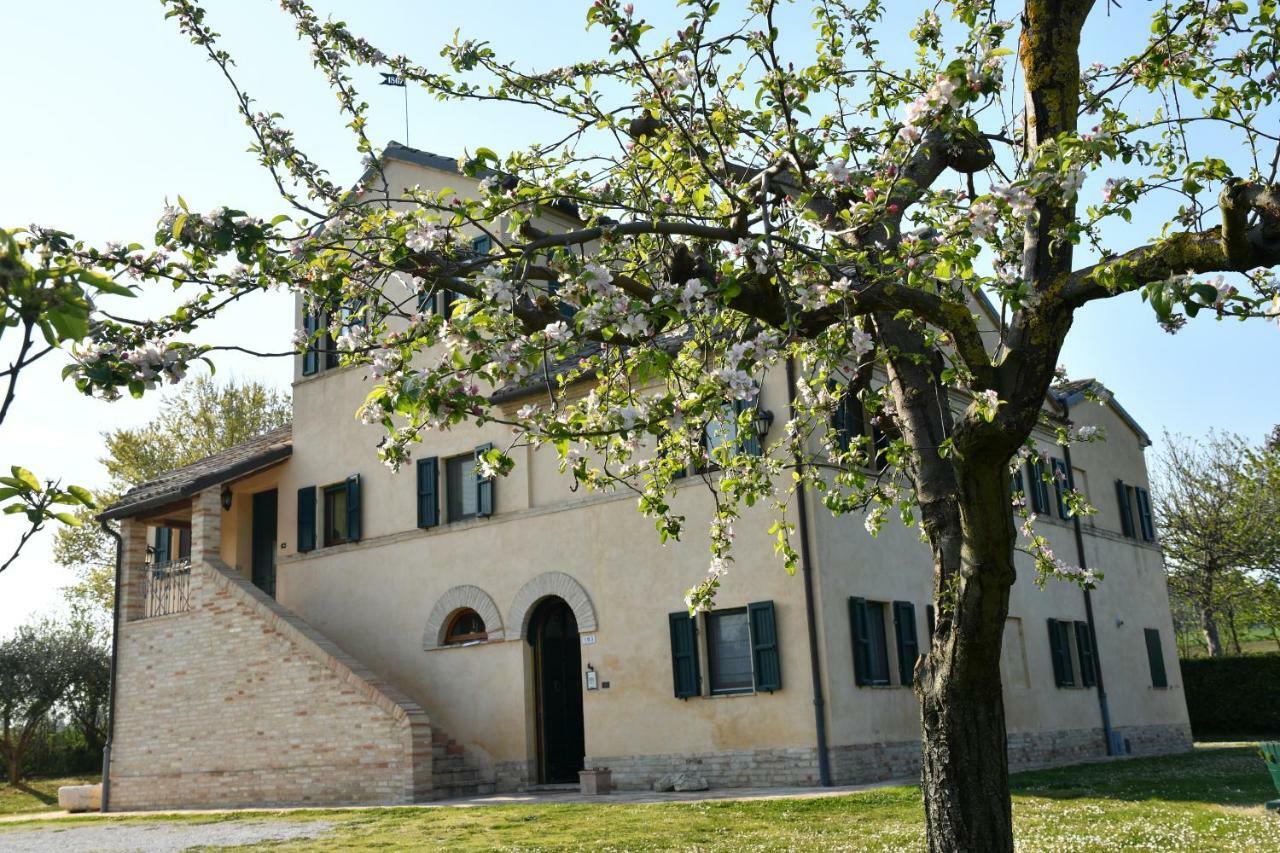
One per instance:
(853,764)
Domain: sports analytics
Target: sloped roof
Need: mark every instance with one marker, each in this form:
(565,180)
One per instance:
(232,463)
(1068,393)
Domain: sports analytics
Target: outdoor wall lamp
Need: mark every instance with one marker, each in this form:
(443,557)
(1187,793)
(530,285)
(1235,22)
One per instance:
(226,497)
(762,421)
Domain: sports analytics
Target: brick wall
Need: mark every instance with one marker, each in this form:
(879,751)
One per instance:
(238,702)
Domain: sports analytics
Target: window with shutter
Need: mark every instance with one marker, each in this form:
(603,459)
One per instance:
(426,301)
(484,486)
(766,665)
(684,655)
(1060,487)
(1144,515)
(1084,651)
(428,492)
(904,628)
(1126,508)
(482,245)
(353,508)
(1037,488)
(1155,658)
(1060,650)
(307,518)
(184,543)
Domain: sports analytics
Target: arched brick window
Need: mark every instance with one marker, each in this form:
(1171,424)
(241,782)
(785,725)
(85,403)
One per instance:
(465,626)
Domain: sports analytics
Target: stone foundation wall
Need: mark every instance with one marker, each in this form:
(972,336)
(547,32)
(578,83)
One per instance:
(876,762)
(237,702)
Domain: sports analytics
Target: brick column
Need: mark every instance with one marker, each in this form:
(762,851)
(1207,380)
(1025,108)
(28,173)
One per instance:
(133,555)
(206,525)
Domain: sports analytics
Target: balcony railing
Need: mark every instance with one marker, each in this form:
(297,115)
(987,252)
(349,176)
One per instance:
(166,588)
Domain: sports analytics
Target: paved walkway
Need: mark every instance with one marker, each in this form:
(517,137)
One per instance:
(522,798)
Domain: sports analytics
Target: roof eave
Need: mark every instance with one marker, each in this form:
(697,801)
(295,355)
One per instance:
(253,465)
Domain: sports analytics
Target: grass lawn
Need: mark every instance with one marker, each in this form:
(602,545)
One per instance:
(1206,800)
(36,795)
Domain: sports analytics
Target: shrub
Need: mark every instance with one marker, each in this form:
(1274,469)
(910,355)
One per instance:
(1237,695)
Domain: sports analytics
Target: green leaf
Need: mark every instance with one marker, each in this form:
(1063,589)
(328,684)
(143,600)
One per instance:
(67,519)
(26,477)
(83,495)
(179,221)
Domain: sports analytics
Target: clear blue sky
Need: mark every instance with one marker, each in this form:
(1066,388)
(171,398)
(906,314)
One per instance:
(109,111)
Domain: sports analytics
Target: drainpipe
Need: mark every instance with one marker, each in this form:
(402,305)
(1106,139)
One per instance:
(1088,598)
(115,645)
(806,562)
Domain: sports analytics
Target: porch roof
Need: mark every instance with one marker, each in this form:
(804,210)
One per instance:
(233,463)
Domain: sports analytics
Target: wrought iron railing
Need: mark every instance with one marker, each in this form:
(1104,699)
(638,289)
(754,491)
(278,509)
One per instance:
(166,588)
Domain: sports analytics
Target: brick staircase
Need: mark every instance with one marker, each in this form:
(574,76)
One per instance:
(451,774)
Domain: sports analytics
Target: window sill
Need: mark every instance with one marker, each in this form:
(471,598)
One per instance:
(729,694)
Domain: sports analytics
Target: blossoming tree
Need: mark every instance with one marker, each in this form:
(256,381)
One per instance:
(837,213)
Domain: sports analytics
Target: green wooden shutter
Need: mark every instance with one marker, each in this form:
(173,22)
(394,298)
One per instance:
(307,518)
(1016,483)
(750,444)
(766,666)
(1144,515)
(929,620)
(164,544)
(428,492)
(444,302)
(1126,509)
(482,244)
(484,486)
(847,420)
(353,508)
(1084,650)
(311,355)
(684,655)
(1155,657)
(1060,487)
(904,628)
(861,641)
(426,301)
(1061,654)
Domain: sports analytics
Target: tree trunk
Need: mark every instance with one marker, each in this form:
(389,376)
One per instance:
(1209,627)
(1231,626)
(965,764)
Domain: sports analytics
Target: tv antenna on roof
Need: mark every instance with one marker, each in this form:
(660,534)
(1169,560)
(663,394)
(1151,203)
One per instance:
(389,79)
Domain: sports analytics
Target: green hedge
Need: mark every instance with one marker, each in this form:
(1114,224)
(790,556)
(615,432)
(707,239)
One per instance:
(1233,695)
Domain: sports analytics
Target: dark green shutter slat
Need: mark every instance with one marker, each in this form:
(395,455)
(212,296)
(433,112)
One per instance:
(1060,487)
(904,628)
(426,301)
(765,664)
(1126,511)
(1155,657)
(311,355)
(1061,654)
(684,655)
(1144,515)
(428,492)
(307,518)
(861,641)
(1084,649)
(353,508)
(484,486)
(929,620)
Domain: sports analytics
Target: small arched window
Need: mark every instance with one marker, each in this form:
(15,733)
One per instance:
(466,626)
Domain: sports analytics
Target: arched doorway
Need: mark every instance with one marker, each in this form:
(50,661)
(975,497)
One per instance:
(557,673)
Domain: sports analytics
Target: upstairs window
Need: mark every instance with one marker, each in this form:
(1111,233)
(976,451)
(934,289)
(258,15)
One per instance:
(466,626)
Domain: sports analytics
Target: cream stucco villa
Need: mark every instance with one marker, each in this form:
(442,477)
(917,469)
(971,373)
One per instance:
(297,624)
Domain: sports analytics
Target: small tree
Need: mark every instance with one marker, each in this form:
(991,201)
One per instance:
(38,664)
(1219,519)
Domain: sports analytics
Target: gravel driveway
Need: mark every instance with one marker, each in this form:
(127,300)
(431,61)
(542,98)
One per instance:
(155,837)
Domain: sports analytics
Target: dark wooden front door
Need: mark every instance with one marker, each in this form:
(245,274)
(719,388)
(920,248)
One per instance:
(264,542)
(557,663)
